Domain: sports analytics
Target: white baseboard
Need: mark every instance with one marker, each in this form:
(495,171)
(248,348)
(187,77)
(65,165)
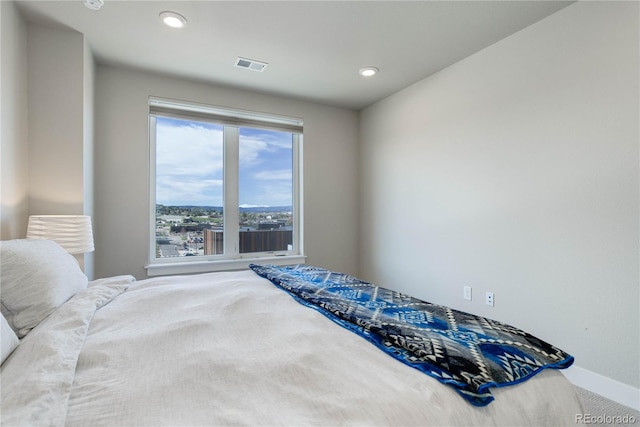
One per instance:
(611,389)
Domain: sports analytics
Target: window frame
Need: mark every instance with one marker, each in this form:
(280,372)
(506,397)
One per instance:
(231,120)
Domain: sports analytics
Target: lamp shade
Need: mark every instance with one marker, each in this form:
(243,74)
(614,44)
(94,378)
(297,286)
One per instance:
(72,232)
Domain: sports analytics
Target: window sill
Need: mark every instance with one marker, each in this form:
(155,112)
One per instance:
(224,265)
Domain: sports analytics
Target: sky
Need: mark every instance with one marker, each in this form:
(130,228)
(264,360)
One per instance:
(189,168)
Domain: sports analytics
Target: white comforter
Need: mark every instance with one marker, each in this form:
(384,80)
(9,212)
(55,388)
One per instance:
(232,349)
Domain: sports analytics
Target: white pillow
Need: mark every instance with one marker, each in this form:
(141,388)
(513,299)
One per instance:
(36,277)
(9,339)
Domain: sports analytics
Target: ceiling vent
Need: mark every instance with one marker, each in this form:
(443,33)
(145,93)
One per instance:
(250,64)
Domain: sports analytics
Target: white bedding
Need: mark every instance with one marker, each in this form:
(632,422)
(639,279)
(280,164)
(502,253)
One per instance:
(232,349)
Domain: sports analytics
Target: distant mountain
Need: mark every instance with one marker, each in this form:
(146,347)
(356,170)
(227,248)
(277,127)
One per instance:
(267,209)
(252,209)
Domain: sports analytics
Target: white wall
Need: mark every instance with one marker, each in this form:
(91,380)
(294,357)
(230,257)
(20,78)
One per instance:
(516,171)
(60,70)
(47,124)
(14,191)
(56,83)
(88,107)
(121,219)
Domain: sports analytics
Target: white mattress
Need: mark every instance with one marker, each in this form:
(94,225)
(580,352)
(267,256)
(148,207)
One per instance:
(232,349)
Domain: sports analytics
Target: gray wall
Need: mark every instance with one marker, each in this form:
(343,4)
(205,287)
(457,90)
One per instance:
(14,154)
(516,171)
(122,168)
(47,124)
(88,159)
(56,78)
(60,69)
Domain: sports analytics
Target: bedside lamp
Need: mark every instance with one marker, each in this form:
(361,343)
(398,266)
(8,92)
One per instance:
(72,232)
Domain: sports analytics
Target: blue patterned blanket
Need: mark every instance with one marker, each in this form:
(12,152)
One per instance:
(468,352)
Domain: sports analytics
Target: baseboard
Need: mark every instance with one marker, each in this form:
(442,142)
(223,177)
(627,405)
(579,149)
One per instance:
(611,389)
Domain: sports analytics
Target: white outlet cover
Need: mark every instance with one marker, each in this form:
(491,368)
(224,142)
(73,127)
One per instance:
(489,299)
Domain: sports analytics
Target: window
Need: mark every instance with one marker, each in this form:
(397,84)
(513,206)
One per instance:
(225,188)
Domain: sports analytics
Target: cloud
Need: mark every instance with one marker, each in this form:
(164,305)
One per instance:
(189,164)
(249,151)
(170,191)
(275,175)
(188,150)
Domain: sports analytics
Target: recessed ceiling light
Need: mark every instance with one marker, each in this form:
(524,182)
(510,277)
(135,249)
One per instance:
(173,19)
(93,4)
(368,71)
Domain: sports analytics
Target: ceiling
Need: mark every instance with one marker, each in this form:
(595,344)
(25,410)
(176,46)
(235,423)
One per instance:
(314,48)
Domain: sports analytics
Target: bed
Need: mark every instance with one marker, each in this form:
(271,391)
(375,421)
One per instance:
(230,348)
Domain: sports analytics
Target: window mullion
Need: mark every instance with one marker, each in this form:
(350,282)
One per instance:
(298,228)
(231,186)
(151,189)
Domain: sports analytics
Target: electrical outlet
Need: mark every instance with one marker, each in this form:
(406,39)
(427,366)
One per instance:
(466,293)
(489,300)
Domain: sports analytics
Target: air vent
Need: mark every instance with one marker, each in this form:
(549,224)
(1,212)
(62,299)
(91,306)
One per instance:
(251,64)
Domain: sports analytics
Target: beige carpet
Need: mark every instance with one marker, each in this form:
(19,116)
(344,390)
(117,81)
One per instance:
(604,412)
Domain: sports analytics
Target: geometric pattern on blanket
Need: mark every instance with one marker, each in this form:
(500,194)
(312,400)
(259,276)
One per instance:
(467,352)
